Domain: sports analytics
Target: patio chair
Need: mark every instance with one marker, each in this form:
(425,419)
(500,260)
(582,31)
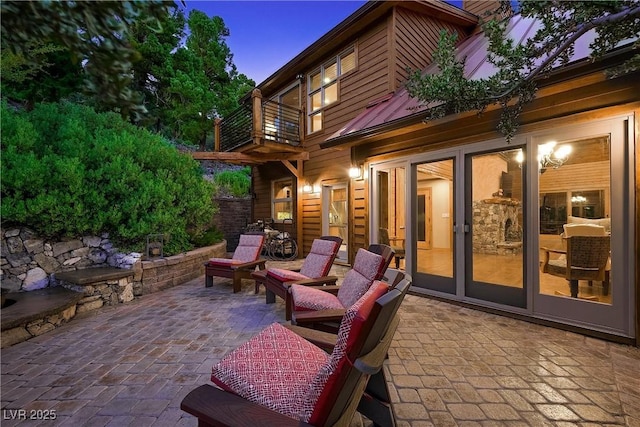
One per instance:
(376,404)
(328,320)
(280,379)
(396,243)
(367,268)
(586,258)
(314,270)
(245,259)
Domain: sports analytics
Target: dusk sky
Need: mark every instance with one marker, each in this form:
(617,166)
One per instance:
(265,35)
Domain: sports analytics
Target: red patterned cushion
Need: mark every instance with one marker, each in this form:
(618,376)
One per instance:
(248,248)
(323,391)
(285,275)
(305,298)
(223,261)
(368,264)
(273,369)
(357,280)
(318,261)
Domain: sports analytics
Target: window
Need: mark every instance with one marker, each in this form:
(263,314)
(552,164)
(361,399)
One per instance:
(282,202)
(323,85)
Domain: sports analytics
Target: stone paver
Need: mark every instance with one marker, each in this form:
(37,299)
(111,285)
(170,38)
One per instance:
(132,364)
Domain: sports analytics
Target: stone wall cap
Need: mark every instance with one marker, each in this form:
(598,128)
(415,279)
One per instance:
(91,275)
(34,305)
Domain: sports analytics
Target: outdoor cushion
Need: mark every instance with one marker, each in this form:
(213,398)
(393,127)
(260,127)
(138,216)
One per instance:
(317,262)
(284,372)
(224,261)
(355,283)
(249,247)
(284,275)
(305,298)
(274,369)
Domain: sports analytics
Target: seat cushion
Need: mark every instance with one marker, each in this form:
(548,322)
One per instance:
(223,262)
(273,369)
(305,298)
(356,282)
(284,275)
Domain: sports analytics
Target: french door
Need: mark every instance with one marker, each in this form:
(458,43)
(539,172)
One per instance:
(478,219)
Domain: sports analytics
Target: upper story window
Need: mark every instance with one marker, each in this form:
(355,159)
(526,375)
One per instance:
(323,85)
(281,200)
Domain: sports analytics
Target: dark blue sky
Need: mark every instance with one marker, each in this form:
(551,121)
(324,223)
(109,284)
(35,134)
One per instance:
(265,35)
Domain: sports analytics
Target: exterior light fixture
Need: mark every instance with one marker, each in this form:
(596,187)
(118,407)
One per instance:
(550,156)
(355,172)
(307,188)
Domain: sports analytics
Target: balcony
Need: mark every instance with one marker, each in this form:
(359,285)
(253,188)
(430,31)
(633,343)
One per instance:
(257,132)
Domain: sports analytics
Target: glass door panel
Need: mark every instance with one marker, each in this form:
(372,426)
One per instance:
(391,210)
(494,244)
(434,225)
(574,191)
(335,205)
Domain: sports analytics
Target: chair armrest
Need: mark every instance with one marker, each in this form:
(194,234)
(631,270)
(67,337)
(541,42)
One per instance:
(250,265)
(319,282)
(317,316)
(324,340)
(555,251)
(215,407)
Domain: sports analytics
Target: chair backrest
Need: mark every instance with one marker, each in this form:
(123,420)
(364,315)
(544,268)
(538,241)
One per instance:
(383,236)
(366,269)
(583,230)
(340,385)
(386,252)
(604,222)
(249,247)
(588,253)
(393,276)
(320,258)
(372,353)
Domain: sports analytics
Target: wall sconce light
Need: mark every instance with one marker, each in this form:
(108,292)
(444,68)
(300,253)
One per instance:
(307,188)
(355,172)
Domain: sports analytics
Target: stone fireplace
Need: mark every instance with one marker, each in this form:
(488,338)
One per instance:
(496,227)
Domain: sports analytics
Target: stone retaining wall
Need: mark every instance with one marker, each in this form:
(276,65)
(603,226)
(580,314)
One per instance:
(29,262)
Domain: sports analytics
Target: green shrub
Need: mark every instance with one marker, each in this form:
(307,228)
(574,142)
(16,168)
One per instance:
(68,171)
(234,182)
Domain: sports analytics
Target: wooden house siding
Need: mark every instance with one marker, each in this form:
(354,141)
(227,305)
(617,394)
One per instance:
(416,37)
(396,39)
(369,81)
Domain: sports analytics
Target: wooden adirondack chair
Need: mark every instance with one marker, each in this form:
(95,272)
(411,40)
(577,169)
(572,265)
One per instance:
(367,267)
(245,259)
(299,384)
(314,270)
(328,320)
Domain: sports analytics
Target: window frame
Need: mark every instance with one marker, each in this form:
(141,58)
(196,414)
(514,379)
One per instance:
(274,200)
(321,90)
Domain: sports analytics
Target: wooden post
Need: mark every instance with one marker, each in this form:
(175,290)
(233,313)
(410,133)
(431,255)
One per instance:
(257,133)
(299,207)
(216,134)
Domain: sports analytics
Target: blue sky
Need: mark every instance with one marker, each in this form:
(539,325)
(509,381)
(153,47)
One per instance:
(265,35)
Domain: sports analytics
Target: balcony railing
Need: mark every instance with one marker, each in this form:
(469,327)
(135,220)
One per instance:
(259,122)
(281,123)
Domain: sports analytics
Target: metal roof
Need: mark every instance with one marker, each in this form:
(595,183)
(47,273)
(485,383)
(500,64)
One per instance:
(400,107)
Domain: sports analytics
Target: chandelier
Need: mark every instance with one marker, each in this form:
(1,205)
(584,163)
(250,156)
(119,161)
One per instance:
(550,156)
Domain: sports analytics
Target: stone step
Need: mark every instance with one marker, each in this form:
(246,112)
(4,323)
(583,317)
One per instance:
(29,314)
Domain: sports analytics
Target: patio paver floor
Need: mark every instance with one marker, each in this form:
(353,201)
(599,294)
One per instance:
(448,366)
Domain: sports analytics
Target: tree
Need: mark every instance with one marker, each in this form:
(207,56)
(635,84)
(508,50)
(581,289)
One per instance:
(94,36)
(518,65)
(200,81)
